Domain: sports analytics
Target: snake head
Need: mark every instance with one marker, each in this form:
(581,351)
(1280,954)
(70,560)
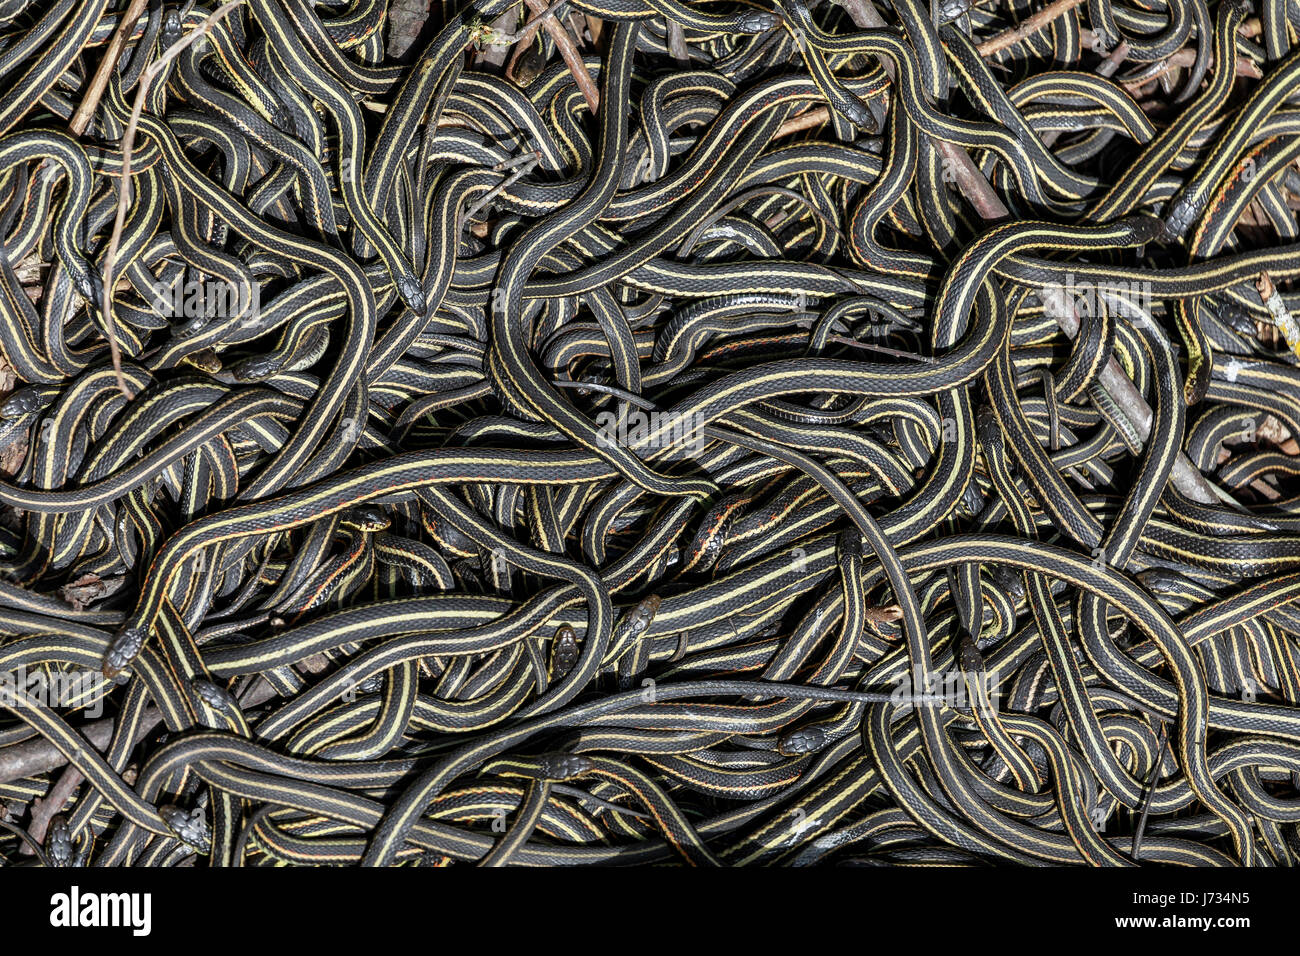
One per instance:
(1012,582)
(849,543)
(408,287)
(123,651)
(564,652)
(951,10)
(972,500)
(283,119)
(529,66)
(172,27)
(58,844)
(562,766)
(802,740)
(255,368)
(90,284)
(969,656)
(1180,215)
(213,695)
(191,827)
(1198,382)
(644,613)
(756,21)
(367,518)
(986,426)
(205,360)
(20,403)
(856,112)
(1161,580)
(1146,229)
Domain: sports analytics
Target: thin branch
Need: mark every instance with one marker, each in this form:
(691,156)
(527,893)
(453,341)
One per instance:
(35,757)
(1150,792)
(572,58)
(595,28)
(95,91)
(864,14)
(496,38)
(48,806)
(677,44)
(971,182)
(1027,28)
(32,757)
(1113,62)
(977,191)
(520,166)
(522,43)
(797,124)
(1184,58)
(124,186)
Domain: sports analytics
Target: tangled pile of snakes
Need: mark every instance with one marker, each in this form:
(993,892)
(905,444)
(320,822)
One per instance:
(752,432)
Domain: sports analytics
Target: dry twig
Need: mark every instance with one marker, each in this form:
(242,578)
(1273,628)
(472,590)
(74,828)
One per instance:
(150,73)
(90,102)
(1027,27)
(47,808)
(977,191)
(572,58)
